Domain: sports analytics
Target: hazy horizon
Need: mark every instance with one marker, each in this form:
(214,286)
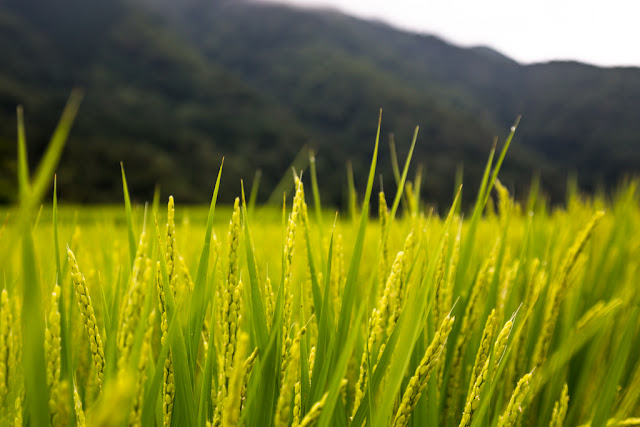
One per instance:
(584,31)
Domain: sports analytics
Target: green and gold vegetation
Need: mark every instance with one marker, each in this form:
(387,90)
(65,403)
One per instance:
(174,85)
(149,316)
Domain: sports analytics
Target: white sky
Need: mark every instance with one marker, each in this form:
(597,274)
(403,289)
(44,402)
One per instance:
(604,32)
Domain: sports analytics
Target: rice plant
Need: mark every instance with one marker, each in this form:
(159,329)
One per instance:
(149,316)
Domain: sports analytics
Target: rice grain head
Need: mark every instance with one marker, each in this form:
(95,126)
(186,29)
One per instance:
(53,350)
(248,369)
(133,302)
(314,413)
(168,386)
(88,317)
(517,403)
(292,376)
(501,345)
(473,398)
(560,408)
(80,418)
(419,380)
(385,262)
(471,315)
(485,348)
(5,344)
(377,321)
(136,410)
(559,288)
(287,268)
(233,403)
(171,254)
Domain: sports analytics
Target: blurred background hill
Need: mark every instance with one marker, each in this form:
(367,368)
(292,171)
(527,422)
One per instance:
(172,86)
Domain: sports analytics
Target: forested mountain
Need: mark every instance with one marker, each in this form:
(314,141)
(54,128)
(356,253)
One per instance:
(171,86)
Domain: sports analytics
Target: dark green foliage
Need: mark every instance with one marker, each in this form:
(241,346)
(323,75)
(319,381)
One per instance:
(171,87)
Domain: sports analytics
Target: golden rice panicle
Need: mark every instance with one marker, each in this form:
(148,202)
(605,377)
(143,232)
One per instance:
(288,258)
(171,252)
(396,296)
(297,404)
(232,328)
(145,349)
(395,306)
(162,304)
(471,315)
(247,370)
(80,418)
(270,304)
(439,308)
(631,395)
(473,398)
(53,351)
(312,361)
(231,413)
(126,311)
(168,386)
(598,310)
(187,280)
(485,347)
(17,410)
(88,368)
(385,262)
(5,344)
(337,275)
(132,310)
(501,345)
(88,317)
(558,289)
(390,296)
(377,321)
(419,380)
(287,387)
(577,246)
(504,201)
(560,408)
(444,286)
(517,403)
(231,299)
(168,391)
(314,413)
(412,204)
(633,421)
(233,241)
(15,367)
(364,363)
(533,276)
(140,264)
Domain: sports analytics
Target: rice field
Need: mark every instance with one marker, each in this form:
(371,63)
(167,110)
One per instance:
(158,315)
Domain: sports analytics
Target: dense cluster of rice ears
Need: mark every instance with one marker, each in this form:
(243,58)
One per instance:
(515,315)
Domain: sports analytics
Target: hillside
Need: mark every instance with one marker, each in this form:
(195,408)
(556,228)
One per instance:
(173,86)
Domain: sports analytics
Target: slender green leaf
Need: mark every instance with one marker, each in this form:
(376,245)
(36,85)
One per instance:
(258,314)
(129,216)
(49,162)
(198,300)
(616,368)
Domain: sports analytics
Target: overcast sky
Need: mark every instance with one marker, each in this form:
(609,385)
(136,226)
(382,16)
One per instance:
(598,32)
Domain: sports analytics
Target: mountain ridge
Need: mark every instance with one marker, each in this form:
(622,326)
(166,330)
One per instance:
(171,87)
